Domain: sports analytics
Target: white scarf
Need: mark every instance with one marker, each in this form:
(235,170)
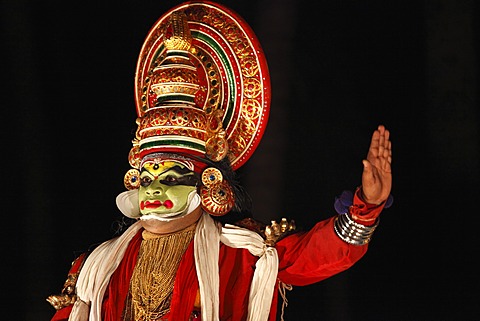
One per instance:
(103,261)
(95,275)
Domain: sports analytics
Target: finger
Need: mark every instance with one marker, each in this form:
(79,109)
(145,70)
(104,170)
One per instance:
(386,138)
(389,157)
(374,144)
(385,157)
(387,135)
(381,146)
(385,164)
(375,138)
(382,143)
(386,150)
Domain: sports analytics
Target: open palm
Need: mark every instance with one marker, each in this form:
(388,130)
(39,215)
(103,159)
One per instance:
(377,170)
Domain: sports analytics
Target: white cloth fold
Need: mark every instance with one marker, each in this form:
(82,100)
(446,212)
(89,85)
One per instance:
(266,269)
(207,237)
(95,276)
(127,203)
(206,252)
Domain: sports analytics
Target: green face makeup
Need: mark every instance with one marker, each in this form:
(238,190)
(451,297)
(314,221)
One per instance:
(165,188)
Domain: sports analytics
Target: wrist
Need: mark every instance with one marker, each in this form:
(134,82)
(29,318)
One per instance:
(388,202)
(359,210)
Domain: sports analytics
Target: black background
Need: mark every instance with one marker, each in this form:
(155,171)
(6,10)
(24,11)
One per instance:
(338,69)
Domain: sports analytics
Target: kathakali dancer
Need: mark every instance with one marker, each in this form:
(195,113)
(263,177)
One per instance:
(193,251)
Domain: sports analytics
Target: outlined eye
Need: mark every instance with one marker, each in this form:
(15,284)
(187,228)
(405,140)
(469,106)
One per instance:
(145,181)
(170,180)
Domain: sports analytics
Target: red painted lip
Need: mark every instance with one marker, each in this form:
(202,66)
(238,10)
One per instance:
(152,205)
(155,204)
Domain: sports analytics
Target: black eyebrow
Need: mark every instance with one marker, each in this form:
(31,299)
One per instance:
(179,170)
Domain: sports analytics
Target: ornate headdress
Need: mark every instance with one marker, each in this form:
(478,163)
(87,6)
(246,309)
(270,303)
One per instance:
(202,89)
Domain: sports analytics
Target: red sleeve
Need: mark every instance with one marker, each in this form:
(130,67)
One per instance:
(362,212)
(310,257)
(306,258)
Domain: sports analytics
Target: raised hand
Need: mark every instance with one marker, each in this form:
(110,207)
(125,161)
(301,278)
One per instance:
(377,169)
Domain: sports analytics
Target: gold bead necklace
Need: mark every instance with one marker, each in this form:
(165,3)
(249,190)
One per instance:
(151,285)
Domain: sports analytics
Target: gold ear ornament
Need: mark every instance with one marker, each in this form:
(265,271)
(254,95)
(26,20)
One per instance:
(211,176)
(216,194)
(131,180)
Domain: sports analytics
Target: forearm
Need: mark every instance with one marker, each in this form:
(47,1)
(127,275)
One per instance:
(332,246)
(306,258)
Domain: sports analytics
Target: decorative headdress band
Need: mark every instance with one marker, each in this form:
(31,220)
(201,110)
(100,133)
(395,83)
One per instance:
(161,157)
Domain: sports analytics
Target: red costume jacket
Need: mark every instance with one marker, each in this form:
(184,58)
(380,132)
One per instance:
(304,258)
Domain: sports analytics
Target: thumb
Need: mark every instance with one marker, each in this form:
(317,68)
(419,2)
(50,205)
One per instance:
(366,165)
(368,173)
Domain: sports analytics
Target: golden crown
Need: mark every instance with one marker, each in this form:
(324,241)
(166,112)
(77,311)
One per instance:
(202,86)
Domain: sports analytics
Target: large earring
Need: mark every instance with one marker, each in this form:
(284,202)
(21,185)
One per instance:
(131,180)
(216,194)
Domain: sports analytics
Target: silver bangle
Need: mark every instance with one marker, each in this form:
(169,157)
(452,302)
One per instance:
(352,232)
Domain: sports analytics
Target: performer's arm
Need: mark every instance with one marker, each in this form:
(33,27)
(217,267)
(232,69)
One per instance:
(335,244)
(310,257)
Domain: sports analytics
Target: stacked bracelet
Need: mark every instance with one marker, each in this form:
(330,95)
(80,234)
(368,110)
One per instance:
(352,232)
